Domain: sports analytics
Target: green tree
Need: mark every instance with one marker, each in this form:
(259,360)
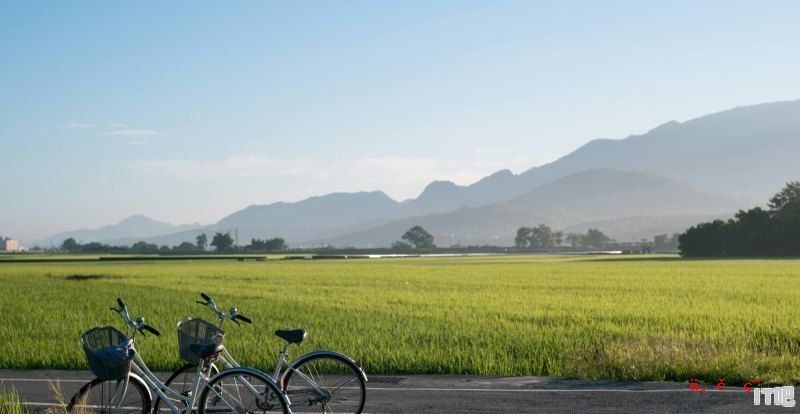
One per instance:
(401,245)
(70,245)
(523,238)
(576,239)
(786,199)
(755,232)
(144,247)
(185,247)
(270,245)
(419,238)
(596,239)
(202,242)
(222,242)
(543,237)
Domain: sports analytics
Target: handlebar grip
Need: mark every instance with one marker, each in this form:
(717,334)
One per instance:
(244,318)
(206,297)
(150,329)
(120,303)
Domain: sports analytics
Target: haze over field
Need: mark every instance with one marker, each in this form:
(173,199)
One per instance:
(609,184)
(345,124)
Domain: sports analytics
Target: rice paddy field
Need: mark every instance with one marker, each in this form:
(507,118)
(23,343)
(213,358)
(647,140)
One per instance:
(597,317)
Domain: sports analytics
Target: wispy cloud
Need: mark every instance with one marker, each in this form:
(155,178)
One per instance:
(117,125)
(400,176)
(78,125)
(490,151)
(131,133)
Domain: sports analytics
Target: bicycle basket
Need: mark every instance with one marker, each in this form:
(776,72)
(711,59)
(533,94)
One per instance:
(108,352)
(196,331)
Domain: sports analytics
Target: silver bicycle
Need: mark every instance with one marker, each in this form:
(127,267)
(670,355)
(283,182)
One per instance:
(322,381)
(124,384)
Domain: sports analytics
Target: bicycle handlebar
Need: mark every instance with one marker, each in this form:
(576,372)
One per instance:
(139,324)
(150,329)
(233,313)
(243,318)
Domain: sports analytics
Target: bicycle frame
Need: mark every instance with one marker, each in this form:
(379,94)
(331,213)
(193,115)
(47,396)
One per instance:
(154,384)
(228,361)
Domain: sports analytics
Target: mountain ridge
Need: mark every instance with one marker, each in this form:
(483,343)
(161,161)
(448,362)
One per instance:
(743,152)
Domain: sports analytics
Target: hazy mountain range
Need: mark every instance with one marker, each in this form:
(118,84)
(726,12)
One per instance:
(134,227)
(659,182)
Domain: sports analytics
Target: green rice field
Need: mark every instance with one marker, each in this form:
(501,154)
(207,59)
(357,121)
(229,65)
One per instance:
(599,317)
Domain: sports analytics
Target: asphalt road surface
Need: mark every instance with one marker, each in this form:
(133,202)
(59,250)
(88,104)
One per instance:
(475,394)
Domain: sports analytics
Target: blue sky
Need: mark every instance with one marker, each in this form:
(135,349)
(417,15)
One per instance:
(187,111)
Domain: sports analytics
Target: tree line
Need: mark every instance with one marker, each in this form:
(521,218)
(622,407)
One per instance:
(774,231)
(221,242)
(544,237)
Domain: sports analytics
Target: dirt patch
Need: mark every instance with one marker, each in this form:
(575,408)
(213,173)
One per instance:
(81,278)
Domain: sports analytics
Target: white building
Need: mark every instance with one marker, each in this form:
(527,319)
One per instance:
(9,245)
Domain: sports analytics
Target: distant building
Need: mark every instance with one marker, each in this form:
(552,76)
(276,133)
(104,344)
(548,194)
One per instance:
(9,245)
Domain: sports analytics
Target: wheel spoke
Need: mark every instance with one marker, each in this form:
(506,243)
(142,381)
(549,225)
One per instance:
(325,383)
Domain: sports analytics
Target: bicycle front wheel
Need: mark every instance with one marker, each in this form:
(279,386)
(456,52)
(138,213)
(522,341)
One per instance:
(112,397)
(242,390)
(326,382)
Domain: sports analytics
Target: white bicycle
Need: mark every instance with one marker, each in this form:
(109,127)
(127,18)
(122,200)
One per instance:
(124,384)
(322,381)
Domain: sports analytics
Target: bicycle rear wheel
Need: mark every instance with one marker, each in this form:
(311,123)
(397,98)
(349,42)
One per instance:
(326,382)
(112,397)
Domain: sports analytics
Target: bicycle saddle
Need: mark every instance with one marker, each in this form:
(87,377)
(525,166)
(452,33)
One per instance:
(294,336)
(205,351)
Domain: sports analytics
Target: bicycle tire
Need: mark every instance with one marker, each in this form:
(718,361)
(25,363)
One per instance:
(134,383)
(307,359)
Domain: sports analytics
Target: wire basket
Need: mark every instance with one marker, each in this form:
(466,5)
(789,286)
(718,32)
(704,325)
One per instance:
(196,331)
(109,352)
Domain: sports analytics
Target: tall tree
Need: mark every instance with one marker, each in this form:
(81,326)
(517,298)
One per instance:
(523,238)
(787,198)
(596,239)
(543,237)
(419,238)
(222,242)
(202,242)
(70,245)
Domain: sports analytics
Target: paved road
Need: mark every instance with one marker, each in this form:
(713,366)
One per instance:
(476,394)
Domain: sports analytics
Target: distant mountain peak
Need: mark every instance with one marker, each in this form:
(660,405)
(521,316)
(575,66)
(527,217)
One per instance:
(499,175)
(136,219)
(665,127)
(439,184)
(135,226)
